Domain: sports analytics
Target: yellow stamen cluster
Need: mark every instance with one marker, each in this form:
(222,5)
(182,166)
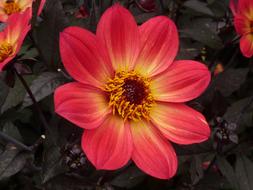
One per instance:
(6,50)
(10,7)
(130,96)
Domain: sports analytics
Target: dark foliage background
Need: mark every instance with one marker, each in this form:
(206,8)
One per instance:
(50,158)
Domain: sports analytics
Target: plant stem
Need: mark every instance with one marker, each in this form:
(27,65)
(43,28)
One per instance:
(213,161)
(41,116)
(211,164)
(38,142)
(162,5)
(14,141)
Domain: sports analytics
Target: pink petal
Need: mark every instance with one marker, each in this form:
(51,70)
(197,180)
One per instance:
(181,82)
(17,26)
(42,3)
(242,25)
(3,16)
(233,6)
(118,31)
(245,8)
(84,56)
(159,45)
(81,104)
(151,152)
(180,123)
(246,45)
(5,62)
(110,145)
(24,4)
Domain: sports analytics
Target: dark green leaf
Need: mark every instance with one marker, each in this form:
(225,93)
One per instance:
(16,94)
(47,33)
(196,170)
(234,112)
(10,129)
(188,49)
(198,6)
(219,8)
(228,171)
(12,161)
(27,52)
(244,172)
(43,86)
(230,80)
(210,1)
(185,150)
(3,92)
(212,181)
(129,178)
(71,182)
(202,30)
(52,165)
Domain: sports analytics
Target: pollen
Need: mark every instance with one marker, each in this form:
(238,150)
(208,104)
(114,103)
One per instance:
(6,50)
(130,96)
(10,7)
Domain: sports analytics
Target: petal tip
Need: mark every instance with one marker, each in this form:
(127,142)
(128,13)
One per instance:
(232,6)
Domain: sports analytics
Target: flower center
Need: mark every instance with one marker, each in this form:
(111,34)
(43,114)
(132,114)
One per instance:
(6,50)
(130,96)
(10,7)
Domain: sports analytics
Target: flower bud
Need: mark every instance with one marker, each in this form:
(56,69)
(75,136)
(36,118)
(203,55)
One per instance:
(146,5)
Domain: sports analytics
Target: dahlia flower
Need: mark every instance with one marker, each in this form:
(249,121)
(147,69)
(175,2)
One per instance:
(8,7)
(13,35)
(243,22)
(129,92)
